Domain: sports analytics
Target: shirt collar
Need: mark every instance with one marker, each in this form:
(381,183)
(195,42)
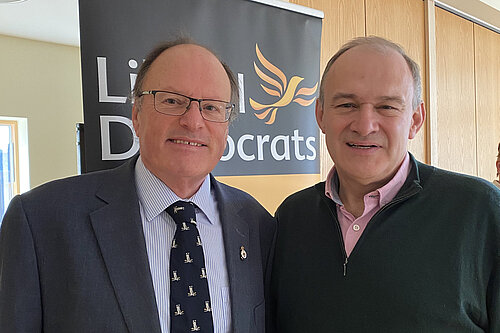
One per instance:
(332,186)
(155,196)
(386,193)
(389,190)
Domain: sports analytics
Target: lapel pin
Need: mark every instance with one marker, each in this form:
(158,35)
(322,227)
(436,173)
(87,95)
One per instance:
(243,253)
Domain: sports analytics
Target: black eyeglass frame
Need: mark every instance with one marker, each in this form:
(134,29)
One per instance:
(229,108)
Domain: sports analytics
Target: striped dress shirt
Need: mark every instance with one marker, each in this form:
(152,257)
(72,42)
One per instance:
(159,229)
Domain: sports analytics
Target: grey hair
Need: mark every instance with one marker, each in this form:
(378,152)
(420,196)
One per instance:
(159,49)
(381,44)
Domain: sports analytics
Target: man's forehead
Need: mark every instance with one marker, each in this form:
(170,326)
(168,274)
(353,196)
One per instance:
(185,60)
(360,66)
(374,54)
(184,54)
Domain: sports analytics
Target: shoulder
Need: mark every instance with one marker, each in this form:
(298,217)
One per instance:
(471,197)
(71,185)
(307,195)
(81,189)
(311,199)
(235,196)
(453,183)
(235,202)
(69,201)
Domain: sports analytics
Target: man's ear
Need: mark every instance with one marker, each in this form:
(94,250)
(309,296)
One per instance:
(135,119)
(227,131)
(417,120)
(319,114)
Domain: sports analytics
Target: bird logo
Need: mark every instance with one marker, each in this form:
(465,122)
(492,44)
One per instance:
(286,91)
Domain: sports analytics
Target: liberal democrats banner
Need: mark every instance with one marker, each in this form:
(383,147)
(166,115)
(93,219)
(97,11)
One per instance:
(273,48)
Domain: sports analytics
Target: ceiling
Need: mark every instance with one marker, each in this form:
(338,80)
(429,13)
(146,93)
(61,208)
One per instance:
(56,21)
(492,3)
(46,20)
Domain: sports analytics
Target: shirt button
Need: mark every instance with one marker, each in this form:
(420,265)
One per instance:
(355,227)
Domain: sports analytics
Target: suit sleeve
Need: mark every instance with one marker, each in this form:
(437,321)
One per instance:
(20,301)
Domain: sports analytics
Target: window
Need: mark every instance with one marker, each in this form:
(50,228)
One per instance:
(12,148)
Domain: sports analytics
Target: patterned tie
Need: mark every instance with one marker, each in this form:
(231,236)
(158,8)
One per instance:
(190,308)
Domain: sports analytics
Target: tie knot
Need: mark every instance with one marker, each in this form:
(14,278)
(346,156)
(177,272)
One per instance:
(182,211)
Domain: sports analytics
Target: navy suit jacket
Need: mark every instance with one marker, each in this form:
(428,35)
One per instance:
(73,257)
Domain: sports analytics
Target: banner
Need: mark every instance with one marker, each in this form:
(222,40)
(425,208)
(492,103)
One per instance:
(272,47)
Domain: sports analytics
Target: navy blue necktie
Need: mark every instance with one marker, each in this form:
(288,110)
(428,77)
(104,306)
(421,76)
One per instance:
(190,307)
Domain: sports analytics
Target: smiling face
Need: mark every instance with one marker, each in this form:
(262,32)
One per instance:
(182,150)
(367,115)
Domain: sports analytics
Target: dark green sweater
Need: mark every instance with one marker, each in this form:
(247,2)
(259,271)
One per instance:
(429,261)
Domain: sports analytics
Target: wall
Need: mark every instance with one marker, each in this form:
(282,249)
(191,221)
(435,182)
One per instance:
(456,133)
(463,103)
(345,19)
(42,82)
(487,79)
(468,71)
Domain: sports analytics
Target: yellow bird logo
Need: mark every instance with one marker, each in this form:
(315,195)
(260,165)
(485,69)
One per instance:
(286,91)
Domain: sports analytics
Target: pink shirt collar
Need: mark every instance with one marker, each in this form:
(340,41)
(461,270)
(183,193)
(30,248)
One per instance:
(386,192)
(352,228)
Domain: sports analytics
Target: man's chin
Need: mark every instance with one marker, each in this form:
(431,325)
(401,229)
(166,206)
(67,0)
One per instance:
(364,173)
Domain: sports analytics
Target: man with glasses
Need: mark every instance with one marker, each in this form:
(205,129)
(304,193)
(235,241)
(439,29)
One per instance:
(156,245)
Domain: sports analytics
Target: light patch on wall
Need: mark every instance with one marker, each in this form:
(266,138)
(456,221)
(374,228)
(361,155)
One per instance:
(22,132)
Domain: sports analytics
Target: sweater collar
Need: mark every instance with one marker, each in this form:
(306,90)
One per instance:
(411,186)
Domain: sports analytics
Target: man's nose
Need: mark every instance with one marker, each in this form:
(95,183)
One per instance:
(192,118)
(366,120)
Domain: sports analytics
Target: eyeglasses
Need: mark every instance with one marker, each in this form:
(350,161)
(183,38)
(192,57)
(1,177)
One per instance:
(175,104)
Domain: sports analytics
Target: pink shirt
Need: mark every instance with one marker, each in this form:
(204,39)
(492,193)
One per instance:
(352,228)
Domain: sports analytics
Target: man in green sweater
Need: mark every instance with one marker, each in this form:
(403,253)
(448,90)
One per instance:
(386,244)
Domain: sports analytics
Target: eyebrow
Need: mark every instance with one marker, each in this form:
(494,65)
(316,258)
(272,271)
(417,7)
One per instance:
(396,99)
(342,95)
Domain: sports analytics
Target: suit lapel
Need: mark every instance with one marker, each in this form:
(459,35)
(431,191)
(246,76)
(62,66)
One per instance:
(118,230)
(236,234)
